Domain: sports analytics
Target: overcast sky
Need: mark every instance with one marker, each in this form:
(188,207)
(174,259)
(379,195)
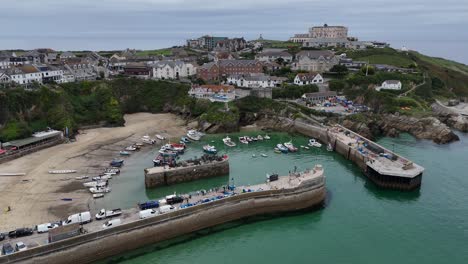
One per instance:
(435,27)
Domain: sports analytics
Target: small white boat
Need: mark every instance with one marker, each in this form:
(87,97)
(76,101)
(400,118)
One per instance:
(139,144)
(62,171)
(98,195)
(124,153)
(145,137)
(277,150)
(254,156)
(314,143)
(228,142)
(264,155)
(102,178)
(130,148)
(210,149)
(306,147)
(266,137)
(194,135)
(160,137)
(149,141)
(81,177)
(243,140)
(329,147)
(95,184)
(259,137)
(290,146)
(99,190)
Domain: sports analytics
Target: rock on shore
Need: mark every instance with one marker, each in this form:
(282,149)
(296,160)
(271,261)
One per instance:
(391,125)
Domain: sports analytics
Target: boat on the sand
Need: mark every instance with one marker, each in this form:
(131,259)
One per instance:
(130,148)
(124,153)
(62,171)
(82,177)
(98,195)
(99,190)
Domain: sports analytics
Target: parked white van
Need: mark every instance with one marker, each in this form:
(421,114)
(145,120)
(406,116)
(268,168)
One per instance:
(45,227)
(81,218)
(165,208)
(111,223)
(147,213)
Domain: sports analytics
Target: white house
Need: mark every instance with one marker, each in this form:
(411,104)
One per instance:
(308,78)
(173,69)
(24,75)
(50,74)
(390,85)
(255,80)
(4,78)
(315,60)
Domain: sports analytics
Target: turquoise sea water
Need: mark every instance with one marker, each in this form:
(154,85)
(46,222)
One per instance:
(360,224)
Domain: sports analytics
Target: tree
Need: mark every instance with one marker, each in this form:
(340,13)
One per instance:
(368,70)
(340,69)
(280,61)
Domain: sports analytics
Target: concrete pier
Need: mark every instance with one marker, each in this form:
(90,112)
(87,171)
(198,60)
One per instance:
(383,167)
(294,192)
(160,176)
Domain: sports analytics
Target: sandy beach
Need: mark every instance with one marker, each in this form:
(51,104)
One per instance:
(36,197)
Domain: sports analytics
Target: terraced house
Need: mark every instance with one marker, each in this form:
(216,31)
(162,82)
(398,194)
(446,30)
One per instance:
(315,60)
(172,69)
(224,68)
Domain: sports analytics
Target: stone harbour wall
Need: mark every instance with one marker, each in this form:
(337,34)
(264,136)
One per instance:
(185,174)
(94,246)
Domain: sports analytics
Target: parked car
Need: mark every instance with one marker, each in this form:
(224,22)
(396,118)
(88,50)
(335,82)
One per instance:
(7,249)
(20,232)
(111,223)
(20,246)
(46,227)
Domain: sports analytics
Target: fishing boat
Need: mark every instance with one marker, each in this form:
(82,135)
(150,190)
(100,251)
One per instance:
(209,149)
(98,195)
(282,148)
(81,177)
(124,153)
(117,163)
(99,190)
(314,143)
(290,146)
(95,184)
(264,155)
(228,142)
(329,147)
(194,135)
(184,140)
(130,148)
(62,171)
(259,137)
(179,147)
(276,150)
(160,137)
(266,137)
(254,156)
(243,140)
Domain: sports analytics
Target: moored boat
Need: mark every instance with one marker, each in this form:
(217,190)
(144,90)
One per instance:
(99,190)
(259,137)
(314,143)
(117,163)
(276,150)
(243,140)
(194,135)
(124,153)
(329,147)
(130,148)
(228,142)
(264,155)
(184,140)
(282,148)
(209,149)
(266,137)
(81,177)
(160,137)
(290,146)
(98,195)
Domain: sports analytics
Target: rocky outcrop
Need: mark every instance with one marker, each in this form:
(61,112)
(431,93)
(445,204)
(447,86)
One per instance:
(423,128)
(391,125)
(450,118)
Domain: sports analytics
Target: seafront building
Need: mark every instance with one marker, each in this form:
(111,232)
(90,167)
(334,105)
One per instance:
(214,93)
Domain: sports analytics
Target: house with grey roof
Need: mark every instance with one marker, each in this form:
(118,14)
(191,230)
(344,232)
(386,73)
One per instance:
(172,69)
(315,60)
(273,55)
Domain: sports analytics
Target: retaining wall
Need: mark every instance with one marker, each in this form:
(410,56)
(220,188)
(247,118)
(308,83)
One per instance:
(26,151)
(90,247)
(184,174)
